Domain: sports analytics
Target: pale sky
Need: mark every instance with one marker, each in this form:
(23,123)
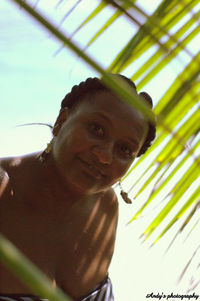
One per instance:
(33,82)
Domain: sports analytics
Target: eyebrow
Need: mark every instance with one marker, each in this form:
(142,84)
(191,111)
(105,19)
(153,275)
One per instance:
(103,116)
(134,141)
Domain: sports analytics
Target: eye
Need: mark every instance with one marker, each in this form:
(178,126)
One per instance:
(125,151)
(97,129)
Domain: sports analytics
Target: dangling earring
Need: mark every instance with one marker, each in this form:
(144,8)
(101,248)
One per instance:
(44,155)
(124,195)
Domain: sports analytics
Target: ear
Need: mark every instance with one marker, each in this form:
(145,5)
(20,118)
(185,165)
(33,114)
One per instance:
(62,117)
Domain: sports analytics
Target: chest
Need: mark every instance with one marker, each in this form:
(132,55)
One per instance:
(73,246)
(44,234)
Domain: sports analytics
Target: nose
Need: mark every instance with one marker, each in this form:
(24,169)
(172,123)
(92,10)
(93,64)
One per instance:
(103,153)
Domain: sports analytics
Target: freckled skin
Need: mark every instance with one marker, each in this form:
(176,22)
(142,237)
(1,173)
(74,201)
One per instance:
(63,213)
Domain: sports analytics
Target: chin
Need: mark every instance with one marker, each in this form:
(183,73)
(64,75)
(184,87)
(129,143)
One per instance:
(81,188)
(85,184)
(88,190)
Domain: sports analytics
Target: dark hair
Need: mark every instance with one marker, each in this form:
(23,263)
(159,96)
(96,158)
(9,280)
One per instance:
(92,85)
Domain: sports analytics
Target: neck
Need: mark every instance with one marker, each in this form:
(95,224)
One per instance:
(55,184)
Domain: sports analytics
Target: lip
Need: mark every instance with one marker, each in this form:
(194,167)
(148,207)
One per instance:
(92,169)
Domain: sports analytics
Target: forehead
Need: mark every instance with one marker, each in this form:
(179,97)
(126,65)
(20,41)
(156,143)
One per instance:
(117,111)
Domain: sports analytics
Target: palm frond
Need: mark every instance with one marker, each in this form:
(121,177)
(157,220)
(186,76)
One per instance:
(178,109)
(142,41)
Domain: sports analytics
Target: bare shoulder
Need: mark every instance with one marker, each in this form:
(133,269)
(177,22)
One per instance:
(111,196)
(7,163)
(18,162)
(110,201)
(12,168)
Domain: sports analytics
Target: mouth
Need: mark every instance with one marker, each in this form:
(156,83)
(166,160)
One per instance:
(92,170)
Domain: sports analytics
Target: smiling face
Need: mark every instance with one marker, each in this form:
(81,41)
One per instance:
(95,142)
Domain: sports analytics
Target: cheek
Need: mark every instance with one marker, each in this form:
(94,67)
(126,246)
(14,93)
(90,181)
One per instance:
(80,141)
(71,142)
(120,168)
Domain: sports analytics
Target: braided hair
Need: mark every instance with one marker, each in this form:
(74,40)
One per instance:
(93,85)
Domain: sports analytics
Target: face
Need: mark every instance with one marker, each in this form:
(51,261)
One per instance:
(95,143)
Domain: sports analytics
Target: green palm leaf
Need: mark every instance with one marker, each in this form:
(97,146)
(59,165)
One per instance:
(96,11)
(141,42)
(193,199)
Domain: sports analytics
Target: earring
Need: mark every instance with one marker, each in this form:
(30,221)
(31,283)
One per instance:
(124,195)
(46,152)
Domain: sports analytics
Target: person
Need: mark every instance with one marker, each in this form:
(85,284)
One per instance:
(58,206)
